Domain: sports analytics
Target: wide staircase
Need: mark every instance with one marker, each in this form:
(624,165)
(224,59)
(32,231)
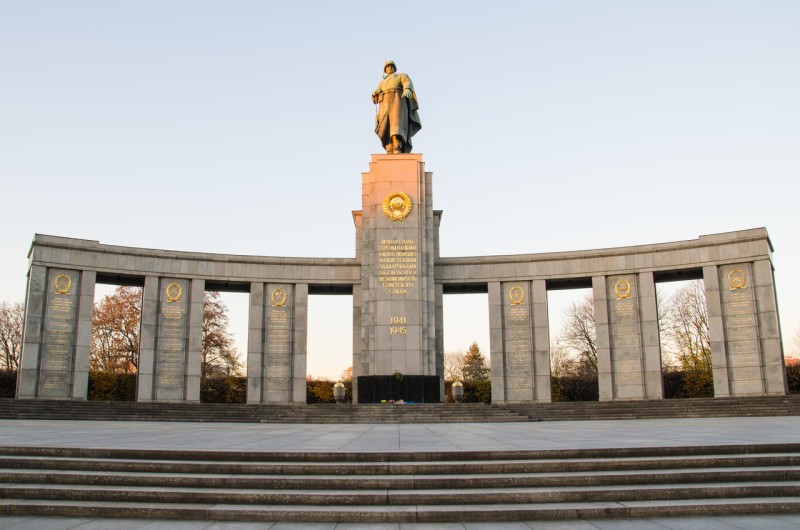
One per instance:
(401,487)
(387,413)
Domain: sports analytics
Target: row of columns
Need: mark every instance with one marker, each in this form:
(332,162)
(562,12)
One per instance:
(746,349)
(57,338)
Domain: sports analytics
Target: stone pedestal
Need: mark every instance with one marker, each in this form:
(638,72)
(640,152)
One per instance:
(397,290)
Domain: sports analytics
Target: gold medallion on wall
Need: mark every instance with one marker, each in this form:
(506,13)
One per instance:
(737,279)
(516,295)
(623,289)
(278,297)
(397,206)
(62,284)
(174,292)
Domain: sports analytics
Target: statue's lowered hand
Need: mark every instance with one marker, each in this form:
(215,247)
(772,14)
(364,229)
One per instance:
(407,93)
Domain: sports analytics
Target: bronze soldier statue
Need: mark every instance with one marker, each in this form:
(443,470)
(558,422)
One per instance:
(397,119)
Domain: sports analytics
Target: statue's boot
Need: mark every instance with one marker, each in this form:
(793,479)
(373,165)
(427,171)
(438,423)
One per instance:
(397,145)
(388,148)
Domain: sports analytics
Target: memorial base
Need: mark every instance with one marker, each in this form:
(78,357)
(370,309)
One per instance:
(409,388)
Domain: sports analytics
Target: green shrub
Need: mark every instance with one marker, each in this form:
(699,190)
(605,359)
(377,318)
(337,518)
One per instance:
(8,384)
(474,391)
(793,378)
(577,387)
(111,386)
(230,389)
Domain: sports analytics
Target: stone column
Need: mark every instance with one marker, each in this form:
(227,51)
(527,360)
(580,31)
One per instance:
(541,340)
(716,330)
(172,340)
(32,334)
(769,328)
(255,343)
(194,357)
(277,371)
(83,336)
(147,339)
(438,366)
(518,341)
(58,348)
(357,357)
(57,334)
(651,339)
(605,380)
(627,359)
(300,343)
(496,345)
(740,321)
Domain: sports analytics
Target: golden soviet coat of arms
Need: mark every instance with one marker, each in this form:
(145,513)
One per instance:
(174,292)
(737,279)
(397,206)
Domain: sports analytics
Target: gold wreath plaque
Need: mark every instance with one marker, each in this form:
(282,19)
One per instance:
(623,289)
(737,279)
(278,297)
(516,295)
(397,206)
(174,292)
(63,284)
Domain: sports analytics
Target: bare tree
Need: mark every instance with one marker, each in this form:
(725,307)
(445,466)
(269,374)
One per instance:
(794,346)
(11,316)
(219,352)
(454,366)
(115,331)
(684,325)
(578,333)
(562,360)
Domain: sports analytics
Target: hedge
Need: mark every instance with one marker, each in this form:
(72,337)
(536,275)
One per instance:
(230,389)
(110,386)
(8,384)
(474,391)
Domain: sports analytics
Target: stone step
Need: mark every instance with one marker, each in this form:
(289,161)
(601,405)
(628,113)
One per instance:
(510,495)
(332,482)
(786,462)
(404,513)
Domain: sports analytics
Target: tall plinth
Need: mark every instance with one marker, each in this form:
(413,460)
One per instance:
(397,247)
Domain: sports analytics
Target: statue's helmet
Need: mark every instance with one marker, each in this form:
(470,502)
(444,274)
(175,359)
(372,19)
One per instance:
(387,63)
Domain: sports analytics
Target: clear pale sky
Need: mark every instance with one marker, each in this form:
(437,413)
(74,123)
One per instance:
(244,126)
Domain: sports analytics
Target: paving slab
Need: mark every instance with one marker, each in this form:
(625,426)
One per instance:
(400,438)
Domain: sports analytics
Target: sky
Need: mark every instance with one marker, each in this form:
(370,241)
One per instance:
(243,127)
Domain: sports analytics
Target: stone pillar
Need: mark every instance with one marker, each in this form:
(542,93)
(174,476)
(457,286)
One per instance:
(32,335)
(496,345)
(83,336)
(255,343)
(651,339)
(769,328)
(299,343)
(541,342)
(605,380)
(397,290)
(277,371)
(357,357)
(716,330)
(627,359)
(56,333)
(194,357)
(518,342)
(438,366)
(172,340)
(147,339)
(744,333)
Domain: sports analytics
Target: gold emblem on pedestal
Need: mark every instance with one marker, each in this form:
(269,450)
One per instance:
(278,297)
(737,279)
(63,284)
(174,292)
(397,206)
(623,289)
(516,295)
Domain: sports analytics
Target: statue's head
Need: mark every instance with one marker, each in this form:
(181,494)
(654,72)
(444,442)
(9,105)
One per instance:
(389,67)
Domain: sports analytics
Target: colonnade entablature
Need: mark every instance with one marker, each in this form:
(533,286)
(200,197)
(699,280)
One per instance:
(735,267)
